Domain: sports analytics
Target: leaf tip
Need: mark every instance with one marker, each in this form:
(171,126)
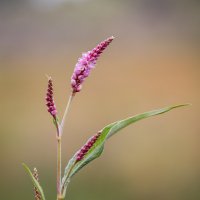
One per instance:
(182,105)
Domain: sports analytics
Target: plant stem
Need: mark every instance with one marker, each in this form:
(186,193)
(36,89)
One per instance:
(60,198)
(59,166)
(59,142)
(65,114)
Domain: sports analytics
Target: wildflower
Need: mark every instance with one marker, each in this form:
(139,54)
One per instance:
(49,99)
(86,63)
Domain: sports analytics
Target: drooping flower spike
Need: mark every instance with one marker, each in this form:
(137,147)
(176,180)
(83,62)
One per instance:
(86,63)
(49,99)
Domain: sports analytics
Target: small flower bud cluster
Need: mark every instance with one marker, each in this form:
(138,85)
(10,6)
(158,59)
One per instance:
(36,192)
(87,147)
(85,64)
(49,99)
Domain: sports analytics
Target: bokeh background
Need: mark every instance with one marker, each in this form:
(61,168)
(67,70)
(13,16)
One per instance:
(153,62)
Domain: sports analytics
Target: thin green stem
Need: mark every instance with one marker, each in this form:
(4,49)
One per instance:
(59,150)
(66,180)
(59,166)
(65,189)
(65,114)
(60,198)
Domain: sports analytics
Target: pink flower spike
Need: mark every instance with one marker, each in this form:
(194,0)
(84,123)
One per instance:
(49,99)
(89,144)
(86,63)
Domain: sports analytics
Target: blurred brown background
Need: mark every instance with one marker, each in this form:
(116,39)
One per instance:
(153,62)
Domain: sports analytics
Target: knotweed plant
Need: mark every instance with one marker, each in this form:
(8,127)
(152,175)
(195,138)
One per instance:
(94,147)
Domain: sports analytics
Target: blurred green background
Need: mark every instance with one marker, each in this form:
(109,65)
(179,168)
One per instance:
(153,62)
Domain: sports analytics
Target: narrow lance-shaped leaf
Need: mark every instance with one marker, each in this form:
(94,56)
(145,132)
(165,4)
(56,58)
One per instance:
(95,145)
(35,182)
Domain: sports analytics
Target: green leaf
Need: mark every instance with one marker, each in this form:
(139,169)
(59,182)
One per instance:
(96,150)
(35,182)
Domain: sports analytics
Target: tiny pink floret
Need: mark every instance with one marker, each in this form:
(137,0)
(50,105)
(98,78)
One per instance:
(86,63)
